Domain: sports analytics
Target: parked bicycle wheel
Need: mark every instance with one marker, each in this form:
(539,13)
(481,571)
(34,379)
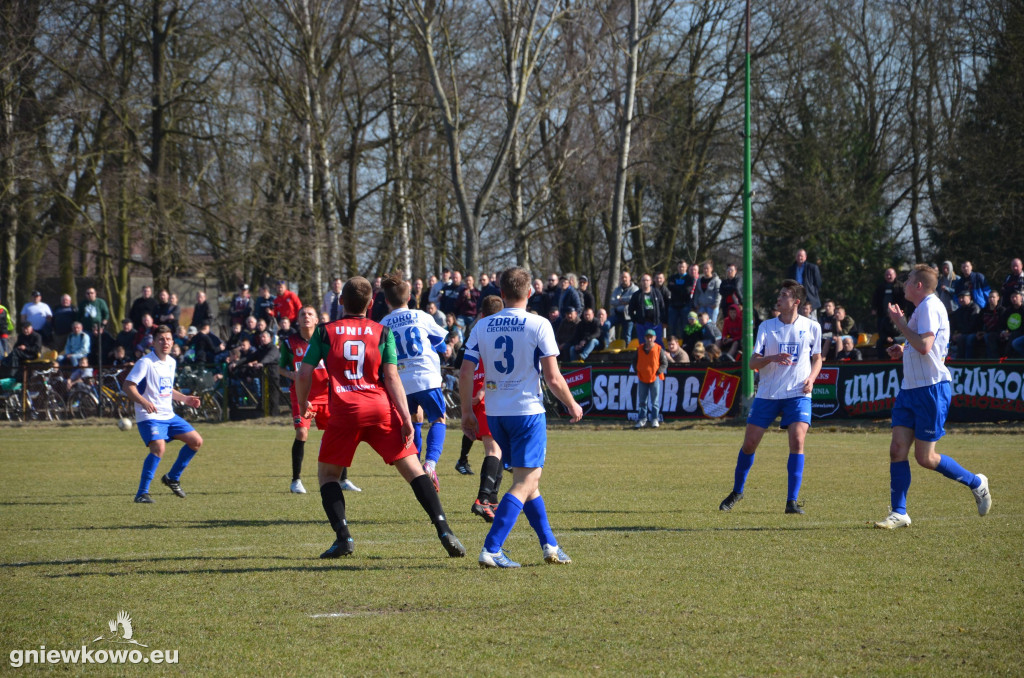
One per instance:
(83,404)
(209,408)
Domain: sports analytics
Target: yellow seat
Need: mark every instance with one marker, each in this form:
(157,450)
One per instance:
(864,339)
(634,344)
(616,346)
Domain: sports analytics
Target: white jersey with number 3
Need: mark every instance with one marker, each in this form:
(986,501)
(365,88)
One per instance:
(417,337)
(925,370)
(510,344)
(154,379)
(801,339)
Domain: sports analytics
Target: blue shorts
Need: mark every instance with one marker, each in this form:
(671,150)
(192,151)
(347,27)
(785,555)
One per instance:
(523,439)
(431,400)
(763,411)
(923,409)
(165,429)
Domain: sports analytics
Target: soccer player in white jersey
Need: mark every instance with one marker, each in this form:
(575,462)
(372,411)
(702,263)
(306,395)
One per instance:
(919,414)
(418,340)
(516,349)
(787,354)
(150,385)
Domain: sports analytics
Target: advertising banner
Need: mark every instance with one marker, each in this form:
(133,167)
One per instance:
(608,391)
(982,391)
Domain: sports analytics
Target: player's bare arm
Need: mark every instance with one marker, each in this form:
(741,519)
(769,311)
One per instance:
(132,391)
(287,374)
(556,382)
(813,376)
(469,422)
(190,400)
(758,361)
(393,385)
(922,343)
(303,384)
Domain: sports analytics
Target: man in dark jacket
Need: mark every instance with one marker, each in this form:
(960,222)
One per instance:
(964,324)
(647,309)
(807,274)
(889,291)
(586,338)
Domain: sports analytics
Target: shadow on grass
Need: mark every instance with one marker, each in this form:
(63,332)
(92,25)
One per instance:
(391,567)
(190,524)
(119,561)
(656,528)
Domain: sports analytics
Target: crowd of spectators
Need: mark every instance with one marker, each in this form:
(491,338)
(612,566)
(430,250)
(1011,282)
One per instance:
(695,315)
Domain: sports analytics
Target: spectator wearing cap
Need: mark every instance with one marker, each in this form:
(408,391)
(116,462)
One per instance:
(241,306)
(586,294)
(38,314)
(143,305)
(650,365)
(28,345)
(964,325)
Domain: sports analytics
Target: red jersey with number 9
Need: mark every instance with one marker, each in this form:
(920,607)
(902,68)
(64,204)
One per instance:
(354,349)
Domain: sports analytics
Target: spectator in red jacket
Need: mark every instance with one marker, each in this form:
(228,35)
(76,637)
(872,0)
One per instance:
(286,304)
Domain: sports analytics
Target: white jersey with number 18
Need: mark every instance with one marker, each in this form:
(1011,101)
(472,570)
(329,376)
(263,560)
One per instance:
(417,338)
(510,344)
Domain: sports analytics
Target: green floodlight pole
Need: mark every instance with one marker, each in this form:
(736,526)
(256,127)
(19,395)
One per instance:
(748,277)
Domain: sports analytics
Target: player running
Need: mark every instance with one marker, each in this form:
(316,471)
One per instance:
(293,349)
(919,414)
(418,340)
(787,354)
(367,403)
(490,471)
(154,414)
(516,348)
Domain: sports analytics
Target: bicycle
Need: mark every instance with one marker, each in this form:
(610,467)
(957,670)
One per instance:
(43,400)
(82,402)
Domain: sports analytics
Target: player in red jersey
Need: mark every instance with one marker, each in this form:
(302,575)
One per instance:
(367,403)
(490,471)
(293,350)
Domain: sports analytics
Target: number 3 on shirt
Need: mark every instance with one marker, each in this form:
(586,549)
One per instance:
(504,343)
(354,351)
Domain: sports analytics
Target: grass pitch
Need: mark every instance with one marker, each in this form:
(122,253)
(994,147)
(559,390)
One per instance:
(661,583)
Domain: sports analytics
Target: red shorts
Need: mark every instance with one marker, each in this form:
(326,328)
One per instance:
(482,429)
(320,414)
(339,443)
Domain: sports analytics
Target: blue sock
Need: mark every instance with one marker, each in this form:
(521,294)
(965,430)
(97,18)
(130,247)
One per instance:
(417,438)
(184,457)
(435,441)
(899,484)
(743,464)
(148,471)
(954,471)
(795,466)
(538,517)
(504,520)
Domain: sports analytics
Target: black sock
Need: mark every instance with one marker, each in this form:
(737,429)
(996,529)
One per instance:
(344,473)
(426,495)
(489,471)
(497,481)
(334,506)
(298,450)
(467,443)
